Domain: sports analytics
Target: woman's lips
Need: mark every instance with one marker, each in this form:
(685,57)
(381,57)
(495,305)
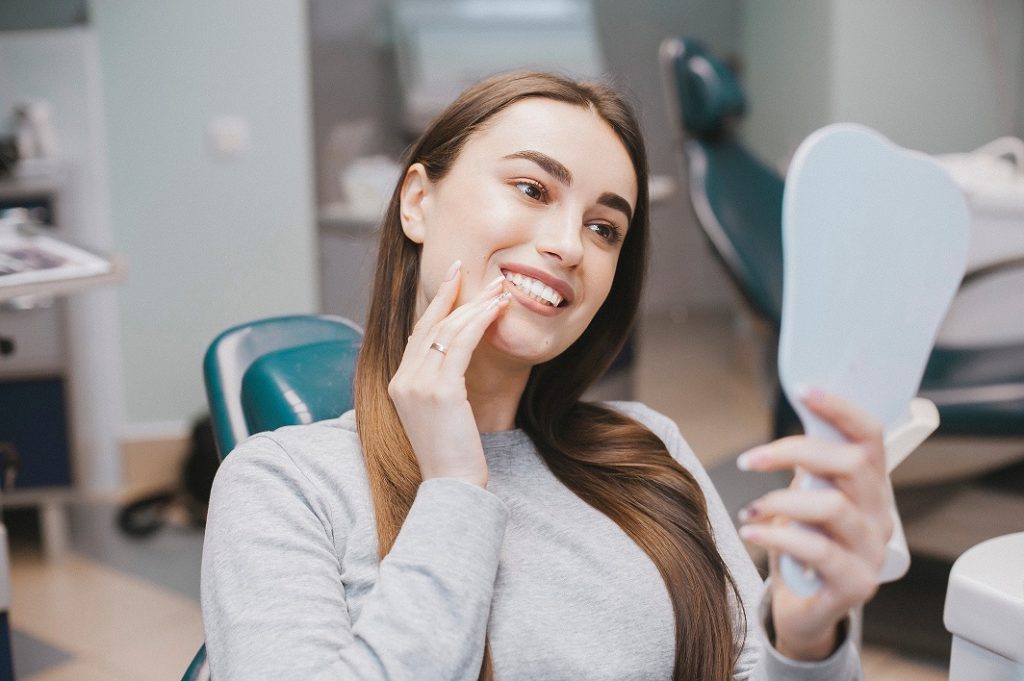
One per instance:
(531,304)
(539,285)
(533,289)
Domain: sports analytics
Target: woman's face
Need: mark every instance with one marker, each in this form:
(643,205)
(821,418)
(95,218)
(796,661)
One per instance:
(542,195)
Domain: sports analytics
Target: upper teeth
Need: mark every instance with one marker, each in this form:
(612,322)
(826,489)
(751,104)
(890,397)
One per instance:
(533,288)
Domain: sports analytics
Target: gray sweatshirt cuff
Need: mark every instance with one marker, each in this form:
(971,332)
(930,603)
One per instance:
(455,526)
(844,663)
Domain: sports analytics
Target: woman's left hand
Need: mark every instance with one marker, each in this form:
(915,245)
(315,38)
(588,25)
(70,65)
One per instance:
(845,529)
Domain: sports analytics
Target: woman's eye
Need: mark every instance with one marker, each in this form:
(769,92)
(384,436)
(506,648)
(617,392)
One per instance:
(531,189)
(609,233)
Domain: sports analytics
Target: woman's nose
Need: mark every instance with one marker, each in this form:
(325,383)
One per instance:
(561,238)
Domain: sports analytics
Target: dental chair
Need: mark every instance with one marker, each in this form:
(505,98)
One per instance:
(978,389)
(276,372)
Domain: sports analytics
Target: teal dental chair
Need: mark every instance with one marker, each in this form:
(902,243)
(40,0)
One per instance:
(276,372)
(979,391)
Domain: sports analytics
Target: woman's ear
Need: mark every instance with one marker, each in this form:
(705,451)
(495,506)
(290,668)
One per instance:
(416,188)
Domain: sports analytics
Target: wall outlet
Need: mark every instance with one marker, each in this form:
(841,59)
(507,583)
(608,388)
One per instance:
(228,137)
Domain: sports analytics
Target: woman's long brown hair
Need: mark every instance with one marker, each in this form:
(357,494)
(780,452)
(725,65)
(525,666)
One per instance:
(610,461)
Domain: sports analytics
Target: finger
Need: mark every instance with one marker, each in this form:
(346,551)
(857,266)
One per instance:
(827,459)
(419,347)
(424,362)
(829,510)
(441,305)
(846,466)
(840,569)
(448,328)
(470,335)
(870,498)
(854,423)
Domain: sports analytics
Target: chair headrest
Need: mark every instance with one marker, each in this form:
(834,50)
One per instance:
(298,385)
(709,94)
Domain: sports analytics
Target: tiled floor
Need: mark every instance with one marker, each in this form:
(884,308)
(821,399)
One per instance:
(118,610)
(113,625)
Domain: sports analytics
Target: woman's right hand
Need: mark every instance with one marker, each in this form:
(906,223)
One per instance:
(429,388)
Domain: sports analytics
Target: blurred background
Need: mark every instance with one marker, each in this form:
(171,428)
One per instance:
(230,159)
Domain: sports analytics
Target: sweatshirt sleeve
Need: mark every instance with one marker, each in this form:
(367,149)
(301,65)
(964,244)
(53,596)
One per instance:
(273,600)
(759,661)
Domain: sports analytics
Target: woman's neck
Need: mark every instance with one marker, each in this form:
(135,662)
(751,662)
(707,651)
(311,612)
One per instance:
(494,389)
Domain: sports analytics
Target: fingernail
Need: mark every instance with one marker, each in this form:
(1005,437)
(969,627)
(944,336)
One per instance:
(813,395)
(750,460)
(748,513)
(497,280)
(498,299)
(453,270)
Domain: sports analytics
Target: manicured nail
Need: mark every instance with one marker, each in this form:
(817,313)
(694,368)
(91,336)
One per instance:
(453,270)
(497,300)
(750,460)
(497,280)
(748,513)
(812,395)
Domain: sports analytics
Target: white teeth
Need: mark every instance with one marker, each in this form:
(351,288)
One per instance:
(535,289)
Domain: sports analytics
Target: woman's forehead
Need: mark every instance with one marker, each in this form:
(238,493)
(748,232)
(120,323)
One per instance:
(576,136)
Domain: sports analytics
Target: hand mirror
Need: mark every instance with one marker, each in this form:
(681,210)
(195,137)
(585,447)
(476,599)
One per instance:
(874,247)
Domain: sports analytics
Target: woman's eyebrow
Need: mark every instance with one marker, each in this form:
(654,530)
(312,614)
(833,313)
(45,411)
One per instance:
(562,174)
(616,202)
(548,164)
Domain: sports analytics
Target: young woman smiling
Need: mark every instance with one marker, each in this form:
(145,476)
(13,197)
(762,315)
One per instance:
(472,518)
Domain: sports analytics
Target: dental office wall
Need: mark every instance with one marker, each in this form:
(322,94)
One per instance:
(210,241)
(940,76)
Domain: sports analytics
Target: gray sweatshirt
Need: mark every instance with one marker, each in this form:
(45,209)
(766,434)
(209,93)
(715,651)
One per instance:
(292,587)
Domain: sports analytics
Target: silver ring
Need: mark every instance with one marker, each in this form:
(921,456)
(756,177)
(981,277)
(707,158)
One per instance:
(440,348)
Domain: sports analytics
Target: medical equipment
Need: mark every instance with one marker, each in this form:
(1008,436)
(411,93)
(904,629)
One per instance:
(990,310)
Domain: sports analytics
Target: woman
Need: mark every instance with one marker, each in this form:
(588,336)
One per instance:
(472,518)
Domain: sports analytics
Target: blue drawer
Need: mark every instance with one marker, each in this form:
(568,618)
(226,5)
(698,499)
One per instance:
(33,417)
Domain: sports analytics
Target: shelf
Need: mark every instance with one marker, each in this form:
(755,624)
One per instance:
(19,497)
(19,186)
(63,287)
